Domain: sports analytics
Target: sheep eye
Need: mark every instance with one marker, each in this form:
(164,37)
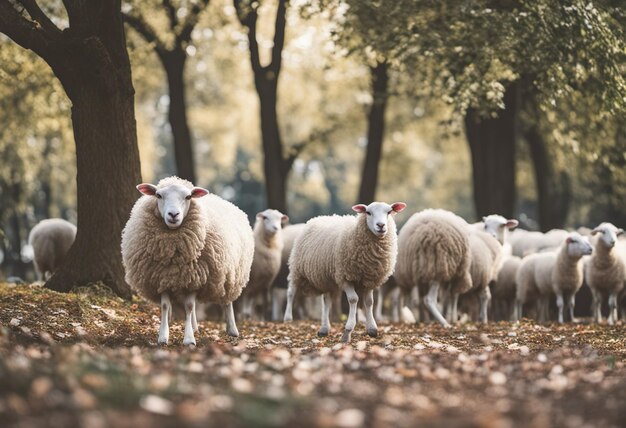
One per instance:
(158,195)
(368,213)
(188,197)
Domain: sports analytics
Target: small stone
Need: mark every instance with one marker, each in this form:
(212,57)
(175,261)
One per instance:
(156,404)
(348,418)
(497,378)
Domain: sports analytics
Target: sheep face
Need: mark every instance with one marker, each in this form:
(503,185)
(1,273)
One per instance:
(378,214)
(272,221)
(496,226)
(577,245)
(172,201)
(608,234)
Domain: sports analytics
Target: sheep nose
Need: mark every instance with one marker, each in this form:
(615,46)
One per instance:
(380,225)
(173,215)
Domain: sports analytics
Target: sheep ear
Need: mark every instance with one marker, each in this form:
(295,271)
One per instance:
(511,223)
(284,218)
(359,208)
(595,231)
(484,219)
(260,215)
(619,231)
(198,192)
(398,206)
(568,240)
(147,189)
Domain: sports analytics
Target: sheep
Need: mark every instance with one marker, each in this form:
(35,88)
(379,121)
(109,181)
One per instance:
(50,239)
(434,252)
(184,244)
(268,248)
(355,254)
(605,271)
(279,290)
(558,272)
(503,291)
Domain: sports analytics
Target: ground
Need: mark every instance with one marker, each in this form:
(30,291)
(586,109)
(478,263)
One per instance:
(91,359)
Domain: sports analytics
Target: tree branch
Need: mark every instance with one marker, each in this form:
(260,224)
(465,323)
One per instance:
(171,13)
(296,149)
(40,17)
(248,18)
(146,31)
(192,19)
(279,37)
(26,33)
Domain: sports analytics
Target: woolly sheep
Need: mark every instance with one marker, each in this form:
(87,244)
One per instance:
(183,243)
(434,252)
(558,272)
(279,290)
(50,239)
(268,248)
(503,291)
(605,271)
(355,254)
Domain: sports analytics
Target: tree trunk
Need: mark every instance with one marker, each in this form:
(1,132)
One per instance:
(273,160)
(492,146)
(553,189)
(174,65)
(375,133)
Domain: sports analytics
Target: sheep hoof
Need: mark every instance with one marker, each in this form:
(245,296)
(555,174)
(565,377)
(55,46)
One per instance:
(287,319)
(162,341)
(322,333)
(189,342)
(372,332)
(233,333)
(347,334)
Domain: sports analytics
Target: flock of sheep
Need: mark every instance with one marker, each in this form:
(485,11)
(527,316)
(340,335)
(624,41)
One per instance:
(185,246)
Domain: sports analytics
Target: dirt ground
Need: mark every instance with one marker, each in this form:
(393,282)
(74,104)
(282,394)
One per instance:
(90,359)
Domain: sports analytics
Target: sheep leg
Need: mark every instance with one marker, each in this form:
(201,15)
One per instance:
(278,300)
(559,304)
(327,302)
(166,312)
(231,327)
(431,303)
(596,306)
(190,309)
(353,299)
(291,292)
(370,322)
(485,297)
(379,303)
(395,304)
(454,306)
(414,302)
(517,310)
(248,303)
(612,309)
(571,304)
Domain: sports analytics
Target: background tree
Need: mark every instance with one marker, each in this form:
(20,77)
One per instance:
(89,57)
(171,50)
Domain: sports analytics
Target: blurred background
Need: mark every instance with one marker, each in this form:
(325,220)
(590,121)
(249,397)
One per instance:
(513,108)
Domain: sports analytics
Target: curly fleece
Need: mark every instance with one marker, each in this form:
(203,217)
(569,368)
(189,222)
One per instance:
(210,253)
(333,251)
(433,246)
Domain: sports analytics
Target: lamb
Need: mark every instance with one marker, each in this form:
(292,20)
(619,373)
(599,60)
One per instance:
(605,271)
(434,252)
(184,244)
(50,239)
(558,272)
(355,254)
(268,248)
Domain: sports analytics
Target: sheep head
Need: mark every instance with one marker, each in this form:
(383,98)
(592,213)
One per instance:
(378,215)
(173,200)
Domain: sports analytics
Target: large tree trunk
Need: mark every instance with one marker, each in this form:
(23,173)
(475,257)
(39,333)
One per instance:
(492,147)
(553,188)
(174,64)
(375,133)
(273,160)
(107,173)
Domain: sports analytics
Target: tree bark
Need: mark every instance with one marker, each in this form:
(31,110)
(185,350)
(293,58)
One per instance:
(275,166)
(174,65)
(492,146)
(553,188)
(375,133)
(91,61)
